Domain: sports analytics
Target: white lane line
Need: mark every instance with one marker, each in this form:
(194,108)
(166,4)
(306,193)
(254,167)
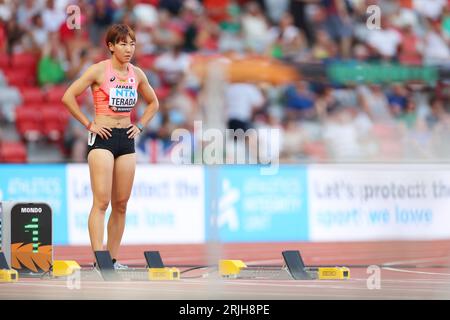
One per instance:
(416,272)
(415,261)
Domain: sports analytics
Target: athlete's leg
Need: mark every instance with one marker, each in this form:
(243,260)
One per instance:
(124,168)
(101,167)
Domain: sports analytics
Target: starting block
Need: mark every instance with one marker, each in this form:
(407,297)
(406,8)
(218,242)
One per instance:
(231,268)
(299,271)
(64,268)
(156,268)
(106,266)
(294,269)
(295,265)
(336,273)
(7,274)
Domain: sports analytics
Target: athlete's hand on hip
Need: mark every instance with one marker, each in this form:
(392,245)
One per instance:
(101,130)
(133,131)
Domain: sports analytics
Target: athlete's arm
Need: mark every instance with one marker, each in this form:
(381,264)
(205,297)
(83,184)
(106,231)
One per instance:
(76,89)
(147,92)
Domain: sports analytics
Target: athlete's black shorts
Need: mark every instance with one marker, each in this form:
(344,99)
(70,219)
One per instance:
(119,144)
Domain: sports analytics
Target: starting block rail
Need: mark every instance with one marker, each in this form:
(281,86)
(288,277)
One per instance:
(272,273)
(294,269)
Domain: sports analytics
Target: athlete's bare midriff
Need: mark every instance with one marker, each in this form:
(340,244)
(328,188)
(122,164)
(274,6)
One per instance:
(113,121)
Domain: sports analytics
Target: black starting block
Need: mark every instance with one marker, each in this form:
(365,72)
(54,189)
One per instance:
(153,259)
(156,268)
(3,263)
(106,266)
(295,265)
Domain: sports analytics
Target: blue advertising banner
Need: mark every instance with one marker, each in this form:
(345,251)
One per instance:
(255,207)
(38,183)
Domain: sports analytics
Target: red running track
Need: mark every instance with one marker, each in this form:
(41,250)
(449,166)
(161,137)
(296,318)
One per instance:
(410,270)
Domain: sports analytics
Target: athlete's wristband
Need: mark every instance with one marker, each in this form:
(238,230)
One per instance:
(140,127)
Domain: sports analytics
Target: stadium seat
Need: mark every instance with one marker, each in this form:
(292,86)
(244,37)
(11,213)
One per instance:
(32,95)
(4,61)
(162,92)
(32,105)
(54,105)
(146,61)
(13,152)
(56,93)
(24,60)
(28,123)
(82,97)
(20,77)
(17,79)
(54,123)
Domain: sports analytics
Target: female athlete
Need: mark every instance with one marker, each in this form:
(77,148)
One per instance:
(115,84)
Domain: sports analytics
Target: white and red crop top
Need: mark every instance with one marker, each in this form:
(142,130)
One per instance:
(116,95)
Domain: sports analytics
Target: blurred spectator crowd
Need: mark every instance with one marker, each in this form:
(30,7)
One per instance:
(40,55)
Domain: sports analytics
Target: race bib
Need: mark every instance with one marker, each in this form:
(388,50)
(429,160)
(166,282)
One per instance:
(122,99)
(91,138)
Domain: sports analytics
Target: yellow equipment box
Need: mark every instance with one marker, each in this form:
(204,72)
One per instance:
(230,267)
(163,274)
(9,275)
(336,273)
(64,268)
